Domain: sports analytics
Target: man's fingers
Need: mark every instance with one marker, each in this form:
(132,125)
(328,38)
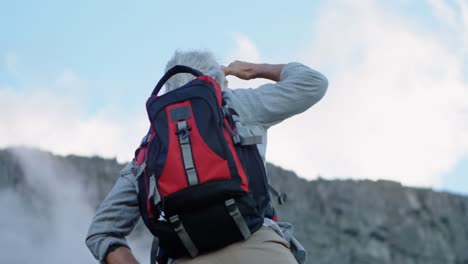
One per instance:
(226,70)
(229,71)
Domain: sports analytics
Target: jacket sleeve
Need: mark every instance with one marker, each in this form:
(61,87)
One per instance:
(299,88)
(115,219)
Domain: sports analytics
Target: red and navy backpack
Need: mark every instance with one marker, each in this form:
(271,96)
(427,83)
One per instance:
(203,183)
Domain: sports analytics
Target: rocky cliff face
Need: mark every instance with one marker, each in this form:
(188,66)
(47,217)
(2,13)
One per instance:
(374,222)
(337,221)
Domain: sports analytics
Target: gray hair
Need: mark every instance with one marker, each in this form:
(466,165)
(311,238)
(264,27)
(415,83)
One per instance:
(203,61)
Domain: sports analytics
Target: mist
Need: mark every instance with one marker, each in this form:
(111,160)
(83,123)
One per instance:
(45,219)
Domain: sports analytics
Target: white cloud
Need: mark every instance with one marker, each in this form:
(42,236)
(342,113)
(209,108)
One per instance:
(444,12)
(396,108)
(463,5)
(245,50)
(58,122)
(455,17)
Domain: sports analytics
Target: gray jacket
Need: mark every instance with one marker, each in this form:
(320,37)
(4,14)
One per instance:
(299,88)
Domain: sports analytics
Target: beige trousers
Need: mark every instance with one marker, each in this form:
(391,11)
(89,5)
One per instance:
(264,247)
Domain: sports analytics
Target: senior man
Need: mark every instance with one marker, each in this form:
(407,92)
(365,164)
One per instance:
(296,88)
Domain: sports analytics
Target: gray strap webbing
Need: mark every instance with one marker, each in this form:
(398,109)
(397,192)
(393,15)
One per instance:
(153,189)
(184,141)
(152,185)
(238,218)
(183,235)
(134,169)
(140,170)
(243,135)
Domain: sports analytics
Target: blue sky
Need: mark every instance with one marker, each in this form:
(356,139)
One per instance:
(100,40)
(83,70)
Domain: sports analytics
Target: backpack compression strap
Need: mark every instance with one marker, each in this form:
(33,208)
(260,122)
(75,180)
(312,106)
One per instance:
(173,71)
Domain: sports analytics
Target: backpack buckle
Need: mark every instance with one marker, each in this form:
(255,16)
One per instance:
(183,129)
(282,198)
(244,136)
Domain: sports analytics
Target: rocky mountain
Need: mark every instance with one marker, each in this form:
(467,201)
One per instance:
(338,221)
